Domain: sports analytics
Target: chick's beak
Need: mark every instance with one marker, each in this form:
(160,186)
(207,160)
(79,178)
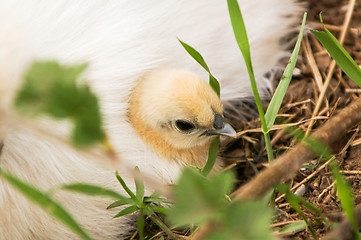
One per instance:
(226,130)
(221,128)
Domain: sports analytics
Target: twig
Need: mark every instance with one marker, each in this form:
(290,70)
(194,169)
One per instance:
(312,63)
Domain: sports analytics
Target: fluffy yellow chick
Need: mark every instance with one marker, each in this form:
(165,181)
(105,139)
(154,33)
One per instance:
(177,113)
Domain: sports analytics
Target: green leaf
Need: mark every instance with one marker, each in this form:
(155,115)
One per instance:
(212,156)
(280,92)
(240,34)
(344,193)
(51,88)
(121,203)
(339,54)
(198,57)
(245,220)
(46,203)
(207,197)
(295,226)
(295,201)
(126,188)
(152,199)
(126,211)
(139,186)
(140,225)
(161,210)
(90,189)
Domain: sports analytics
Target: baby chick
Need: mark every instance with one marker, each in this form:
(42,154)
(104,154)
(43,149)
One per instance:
(157,111)
(176,112)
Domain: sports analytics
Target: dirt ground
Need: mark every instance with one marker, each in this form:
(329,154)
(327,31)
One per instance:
(247,153)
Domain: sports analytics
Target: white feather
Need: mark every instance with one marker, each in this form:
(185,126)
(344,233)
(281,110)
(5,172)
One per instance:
(121,40)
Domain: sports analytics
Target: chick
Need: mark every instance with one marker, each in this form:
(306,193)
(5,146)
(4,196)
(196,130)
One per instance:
(157,118)
(176,112)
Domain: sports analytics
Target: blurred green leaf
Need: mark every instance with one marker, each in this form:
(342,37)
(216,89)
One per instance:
(207,197)
(295,202)
(51,88)
(46,203)
(344,193)
(90,189)
(156,199)
(212,156)
(140,225)
(244,220)
(198,57)
(339,54)
(159,209)
(139,187)
(295,226)
(276,101)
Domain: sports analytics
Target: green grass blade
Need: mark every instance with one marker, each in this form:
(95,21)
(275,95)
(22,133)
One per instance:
(46,203)
(157,199)
(126,211)
(240,33)
(139,188)
(198,57)
(126,188)
(280,92)
(212,156)
(161,210)
(140,225)
(296,226)
(344,193)
(90,189)
(339,54)
(292,199)
(121,203)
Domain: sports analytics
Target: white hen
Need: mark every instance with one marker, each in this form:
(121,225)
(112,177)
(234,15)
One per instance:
(157,116)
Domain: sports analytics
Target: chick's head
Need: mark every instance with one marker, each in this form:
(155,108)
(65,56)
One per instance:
(175,110)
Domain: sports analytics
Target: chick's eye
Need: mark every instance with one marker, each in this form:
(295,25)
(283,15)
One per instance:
(184,126)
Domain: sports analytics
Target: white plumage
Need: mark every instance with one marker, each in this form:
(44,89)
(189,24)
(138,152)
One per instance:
(121,40)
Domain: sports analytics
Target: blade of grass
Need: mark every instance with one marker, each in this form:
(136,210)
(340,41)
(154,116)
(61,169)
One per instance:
(120,203)
(240,33)
(139,186)
(126,211)
(296,226)
(46,203)
(126,188)
(89,189)
(213,150)
(198,57)
(140,225)
(293,201)
(212,156)
(280,92)
(345,195)
(339,54)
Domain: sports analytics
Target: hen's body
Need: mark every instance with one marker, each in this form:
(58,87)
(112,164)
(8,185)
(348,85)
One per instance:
(122,41)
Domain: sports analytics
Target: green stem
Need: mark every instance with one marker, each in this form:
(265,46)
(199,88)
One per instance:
(268,146)
(159,222)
